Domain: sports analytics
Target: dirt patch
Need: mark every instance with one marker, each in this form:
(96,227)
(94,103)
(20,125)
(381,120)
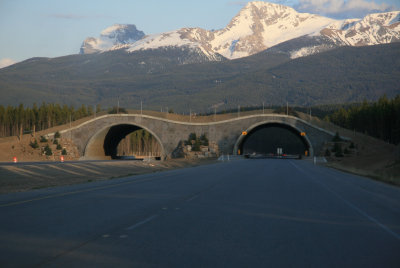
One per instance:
(18,178)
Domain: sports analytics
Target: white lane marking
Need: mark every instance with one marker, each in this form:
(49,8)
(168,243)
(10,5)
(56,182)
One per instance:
(142,222)
(349,204)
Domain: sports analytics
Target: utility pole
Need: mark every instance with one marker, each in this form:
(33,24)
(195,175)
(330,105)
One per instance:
(70,125)
(238,110)
(263,107)
(141,107)
(215,114)
(287,108)
(190,115)
(118,106)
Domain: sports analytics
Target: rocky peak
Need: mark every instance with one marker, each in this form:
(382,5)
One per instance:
(115,35)
(122,33)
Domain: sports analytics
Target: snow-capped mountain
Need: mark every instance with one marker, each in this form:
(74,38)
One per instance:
(113,36)
(258,27)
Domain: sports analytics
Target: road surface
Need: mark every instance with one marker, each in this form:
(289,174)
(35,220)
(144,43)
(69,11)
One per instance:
(243,213)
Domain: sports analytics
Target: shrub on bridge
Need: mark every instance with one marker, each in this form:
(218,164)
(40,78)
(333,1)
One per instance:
(197,142)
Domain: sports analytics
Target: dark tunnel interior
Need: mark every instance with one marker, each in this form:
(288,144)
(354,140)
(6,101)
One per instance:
(266,139)
(114,136)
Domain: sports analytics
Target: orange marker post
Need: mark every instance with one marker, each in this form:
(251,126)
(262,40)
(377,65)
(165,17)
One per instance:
(62,159)
(15,159)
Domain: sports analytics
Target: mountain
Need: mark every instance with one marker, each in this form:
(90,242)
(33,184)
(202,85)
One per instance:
(374,29)
(117,34)
(257,27)
(268,52)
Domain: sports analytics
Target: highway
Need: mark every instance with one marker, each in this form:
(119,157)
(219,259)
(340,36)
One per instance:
(243,213)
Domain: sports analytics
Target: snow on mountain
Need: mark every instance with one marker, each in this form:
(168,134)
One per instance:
(374,29)
(260,25)
(257,27)
(117,34)
(380,28)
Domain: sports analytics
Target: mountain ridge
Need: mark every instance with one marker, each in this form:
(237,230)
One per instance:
(345,74)
(259,26)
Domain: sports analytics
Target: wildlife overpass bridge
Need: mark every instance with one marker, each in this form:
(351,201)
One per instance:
(98,138)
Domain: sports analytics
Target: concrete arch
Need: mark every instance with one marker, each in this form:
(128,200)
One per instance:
(97,149)
(89,136)
(255,126)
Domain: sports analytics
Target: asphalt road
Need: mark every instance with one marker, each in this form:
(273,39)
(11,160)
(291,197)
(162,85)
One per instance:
(244,213)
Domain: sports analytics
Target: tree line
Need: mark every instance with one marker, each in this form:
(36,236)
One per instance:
(139,143)
(380,119)
(15,121)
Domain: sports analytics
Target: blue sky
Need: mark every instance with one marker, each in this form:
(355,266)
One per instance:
(52,28)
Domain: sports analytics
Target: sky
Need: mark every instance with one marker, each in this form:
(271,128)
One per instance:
(53,28)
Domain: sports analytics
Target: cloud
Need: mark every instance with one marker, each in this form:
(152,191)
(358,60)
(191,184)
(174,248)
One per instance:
(6,62)
(342,8)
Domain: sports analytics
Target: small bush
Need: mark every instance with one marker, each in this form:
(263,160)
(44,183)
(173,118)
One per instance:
(57,135)
(64,152)
(204,140)
(55,141)
(327,152)
(34,144)
(352,146)
(339,154)
(116,110)
(43,139)
(59,147)
(47,150)
(337,148)
(337,137)
(346,151)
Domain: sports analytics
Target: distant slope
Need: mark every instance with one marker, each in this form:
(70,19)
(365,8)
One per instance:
(342,75)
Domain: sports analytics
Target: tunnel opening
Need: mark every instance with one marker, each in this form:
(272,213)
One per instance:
(272,139)
(131,142)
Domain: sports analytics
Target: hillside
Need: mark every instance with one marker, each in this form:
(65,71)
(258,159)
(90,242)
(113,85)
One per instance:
(345,74)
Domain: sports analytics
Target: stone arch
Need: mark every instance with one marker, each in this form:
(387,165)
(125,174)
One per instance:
(102,144)
(294,128)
